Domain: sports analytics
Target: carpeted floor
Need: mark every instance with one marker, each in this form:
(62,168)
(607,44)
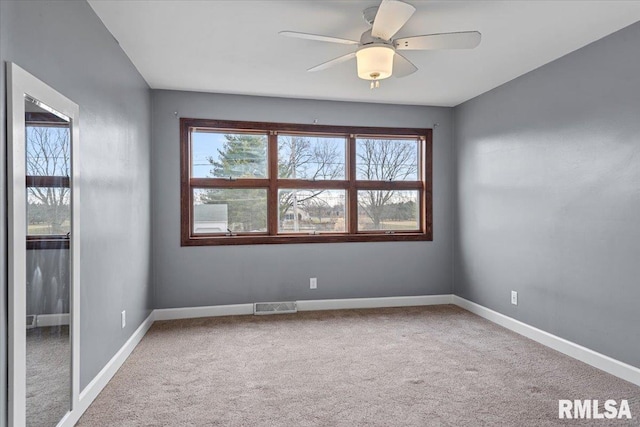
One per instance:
(48,365)
(418,366)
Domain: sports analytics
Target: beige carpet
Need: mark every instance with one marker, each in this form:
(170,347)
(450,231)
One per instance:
(422,366)
(48,364)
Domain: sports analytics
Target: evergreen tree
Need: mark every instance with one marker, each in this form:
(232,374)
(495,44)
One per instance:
(245,156)
(242,156)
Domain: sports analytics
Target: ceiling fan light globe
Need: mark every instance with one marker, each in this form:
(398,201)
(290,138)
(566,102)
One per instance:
(375,62)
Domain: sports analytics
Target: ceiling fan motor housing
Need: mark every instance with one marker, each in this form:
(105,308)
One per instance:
(367,38)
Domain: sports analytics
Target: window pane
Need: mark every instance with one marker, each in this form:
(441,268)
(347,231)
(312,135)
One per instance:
(308,211)
(224,155)
(311,157)
(48,211)
(388,210)
(221,209)
(48,150)
(387,159)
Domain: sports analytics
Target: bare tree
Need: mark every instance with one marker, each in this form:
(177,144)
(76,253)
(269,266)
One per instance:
(316,158)
(48,156)
(384,160)
(301,158)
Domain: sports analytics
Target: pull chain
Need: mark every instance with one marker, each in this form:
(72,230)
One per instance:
(375,83)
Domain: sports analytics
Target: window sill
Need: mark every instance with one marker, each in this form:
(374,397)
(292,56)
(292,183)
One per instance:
(306,238)
(47,242)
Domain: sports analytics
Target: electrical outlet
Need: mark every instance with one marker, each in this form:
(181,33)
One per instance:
(514,298)
(123,318)
(313,283)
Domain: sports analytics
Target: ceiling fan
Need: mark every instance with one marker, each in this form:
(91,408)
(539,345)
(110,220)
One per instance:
(377,54)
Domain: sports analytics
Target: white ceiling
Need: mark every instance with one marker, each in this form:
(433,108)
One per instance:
(234,46)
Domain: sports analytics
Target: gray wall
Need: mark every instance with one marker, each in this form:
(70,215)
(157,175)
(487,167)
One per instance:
(549,197)
(200,276)
(67,46)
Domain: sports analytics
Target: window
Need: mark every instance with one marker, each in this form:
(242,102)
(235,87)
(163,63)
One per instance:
(254,183)
(48,166)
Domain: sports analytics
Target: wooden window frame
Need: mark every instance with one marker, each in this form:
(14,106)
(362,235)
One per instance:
(46,241)
(272,183)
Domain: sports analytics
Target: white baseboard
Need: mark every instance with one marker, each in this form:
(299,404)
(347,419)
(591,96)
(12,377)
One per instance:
(583,354)
(94,388)
(52,319)
(209,311)
(303,305)
(341,304)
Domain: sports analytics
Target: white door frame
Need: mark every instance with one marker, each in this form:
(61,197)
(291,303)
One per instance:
(19,84)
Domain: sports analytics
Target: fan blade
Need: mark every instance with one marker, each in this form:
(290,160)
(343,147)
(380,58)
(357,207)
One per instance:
(462,40)
(317,37)
(402,67)
(333,62)
(391,16)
